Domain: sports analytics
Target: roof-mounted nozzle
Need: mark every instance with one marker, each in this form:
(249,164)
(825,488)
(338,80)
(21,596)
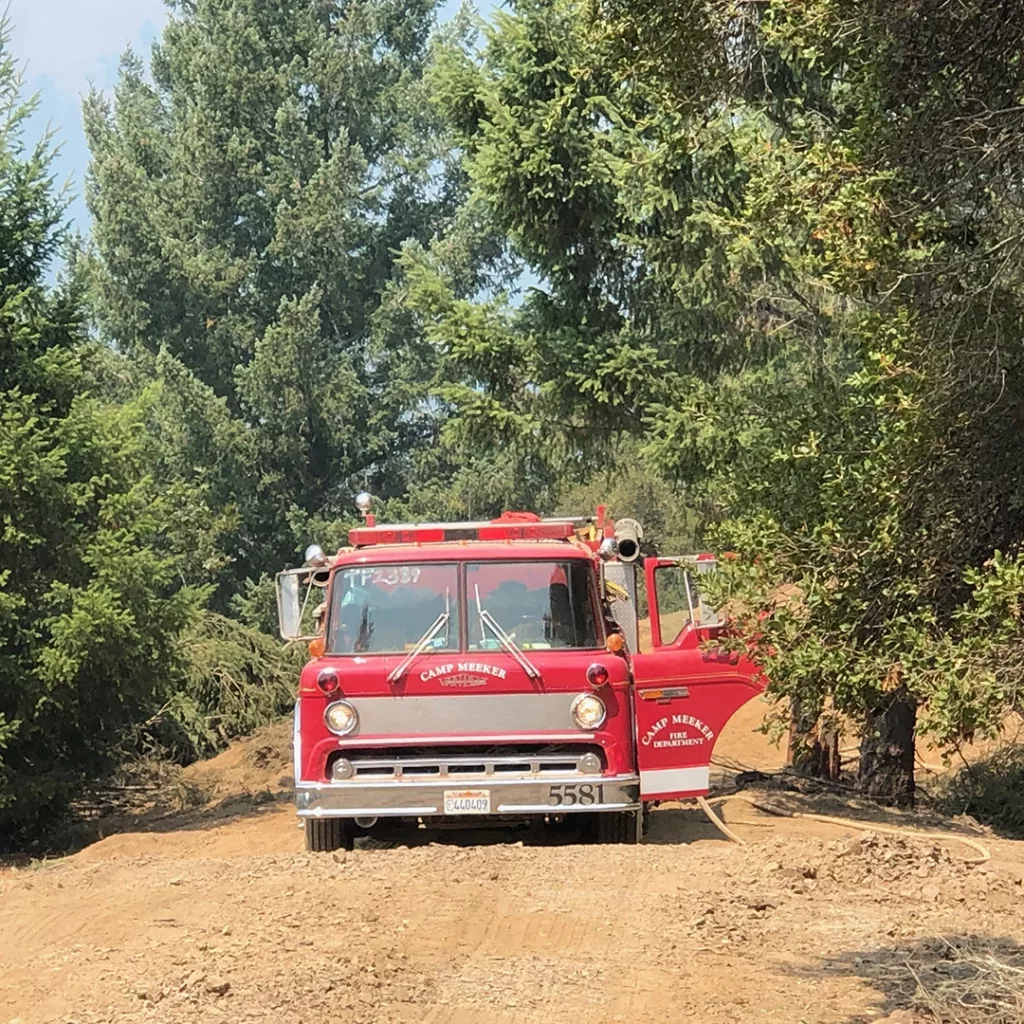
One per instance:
(628,534)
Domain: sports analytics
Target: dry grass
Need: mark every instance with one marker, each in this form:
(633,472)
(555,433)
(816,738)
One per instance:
(969,982)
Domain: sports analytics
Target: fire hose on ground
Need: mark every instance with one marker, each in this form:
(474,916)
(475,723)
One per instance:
(857,825)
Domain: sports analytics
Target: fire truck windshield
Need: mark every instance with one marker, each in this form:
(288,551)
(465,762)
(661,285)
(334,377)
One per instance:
(538,604)
(387,609)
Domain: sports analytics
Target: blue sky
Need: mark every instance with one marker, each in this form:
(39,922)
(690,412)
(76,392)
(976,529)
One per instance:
(68,45)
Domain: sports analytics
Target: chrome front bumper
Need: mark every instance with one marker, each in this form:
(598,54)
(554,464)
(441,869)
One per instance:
(568,795)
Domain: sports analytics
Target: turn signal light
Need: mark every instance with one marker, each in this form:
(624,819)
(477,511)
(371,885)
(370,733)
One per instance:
(615,644)
(597,675)
(327,680)
(317,647)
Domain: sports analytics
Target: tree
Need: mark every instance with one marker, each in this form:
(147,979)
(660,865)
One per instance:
(91,603)
(544,383)
(248,205)
(747,256)
(877,473)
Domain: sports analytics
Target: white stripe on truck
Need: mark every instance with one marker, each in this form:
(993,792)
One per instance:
(675,780)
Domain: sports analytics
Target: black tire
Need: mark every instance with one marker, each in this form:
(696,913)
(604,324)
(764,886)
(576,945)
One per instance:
(325,835)
(616,827)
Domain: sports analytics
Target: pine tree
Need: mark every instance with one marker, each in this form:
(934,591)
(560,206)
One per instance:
(91,603)
(248,206)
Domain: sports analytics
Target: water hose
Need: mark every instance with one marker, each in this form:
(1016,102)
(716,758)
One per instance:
(983,854)
(718,823)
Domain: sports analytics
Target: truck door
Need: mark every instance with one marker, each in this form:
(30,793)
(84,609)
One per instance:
(683,695)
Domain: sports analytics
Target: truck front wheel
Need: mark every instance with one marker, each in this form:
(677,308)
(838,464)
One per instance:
(324,835)
(617,827)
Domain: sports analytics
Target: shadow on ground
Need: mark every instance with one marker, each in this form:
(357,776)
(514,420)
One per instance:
(670,825)
(949,979)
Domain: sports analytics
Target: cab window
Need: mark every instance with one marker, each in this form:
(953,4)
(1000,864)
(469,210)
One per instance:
(540,605)
(387,609)
(680,599)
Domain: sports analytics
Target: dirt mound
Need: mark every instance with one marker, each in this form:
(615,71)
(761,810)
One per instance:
(215,808)
(261,763)
(883,859)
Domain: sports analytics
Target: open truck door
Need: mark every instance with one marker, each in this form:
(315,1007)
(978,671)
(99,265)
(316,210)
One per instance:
(683,701)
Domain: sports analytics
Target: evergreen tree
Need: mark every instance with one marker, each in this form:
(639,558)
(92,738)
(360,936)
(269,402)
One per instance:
(248,206)
(91,603)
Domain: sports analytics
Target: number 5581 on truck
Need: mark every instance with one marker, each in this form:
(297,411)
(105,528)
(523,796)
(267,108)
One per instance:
(499,673)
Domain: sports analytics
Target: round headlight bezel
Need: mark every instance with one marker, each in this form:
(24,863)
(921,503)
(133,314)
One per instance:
(348,727)
(587,700)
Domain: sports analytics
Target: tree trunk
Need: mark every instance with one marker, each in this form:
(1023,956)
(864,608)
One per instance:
(886,770)
(813,743)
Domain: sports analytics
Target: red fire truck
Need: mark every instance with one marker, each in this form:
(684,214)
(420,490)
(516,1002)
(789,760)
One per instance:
(501,673)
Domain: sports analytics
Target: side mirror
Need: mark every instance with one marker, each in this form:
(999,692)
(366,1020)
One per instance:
(620,589)
(295,618)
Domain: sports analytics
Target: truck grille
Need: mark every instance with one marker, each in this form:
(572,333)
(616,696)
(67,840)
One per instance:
(461,714)
(466,764)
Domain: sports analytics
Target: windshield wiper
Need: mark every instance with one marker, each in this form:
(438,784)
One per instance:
(438,624)
(488,620)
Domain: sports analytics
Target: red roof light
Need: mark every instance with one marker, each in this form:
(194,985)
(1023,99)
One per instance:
(506,528)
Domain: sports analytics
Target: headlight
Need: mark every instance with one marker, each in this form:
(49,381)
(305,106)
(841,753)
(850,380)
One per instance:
(588,711)
(341,718)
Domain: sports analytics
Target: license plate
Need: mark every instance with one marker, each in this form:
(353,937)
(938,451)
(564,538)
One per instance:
(467,801)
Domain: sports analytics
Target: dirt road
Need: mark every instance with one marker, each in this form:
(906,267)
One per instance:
(223,918)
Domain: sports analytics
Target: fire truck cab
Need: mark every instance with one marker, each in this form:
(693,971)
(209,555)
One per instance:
(500,673)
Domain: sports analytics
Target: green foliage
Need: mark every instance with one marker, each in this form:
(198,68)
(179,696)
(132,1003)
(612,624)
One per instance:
(91,601)
(990,791)
(631,489)
(112,518)
(235,680)
(248,205)
(877,473)
(749,272)
(555,149)
(811,322)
